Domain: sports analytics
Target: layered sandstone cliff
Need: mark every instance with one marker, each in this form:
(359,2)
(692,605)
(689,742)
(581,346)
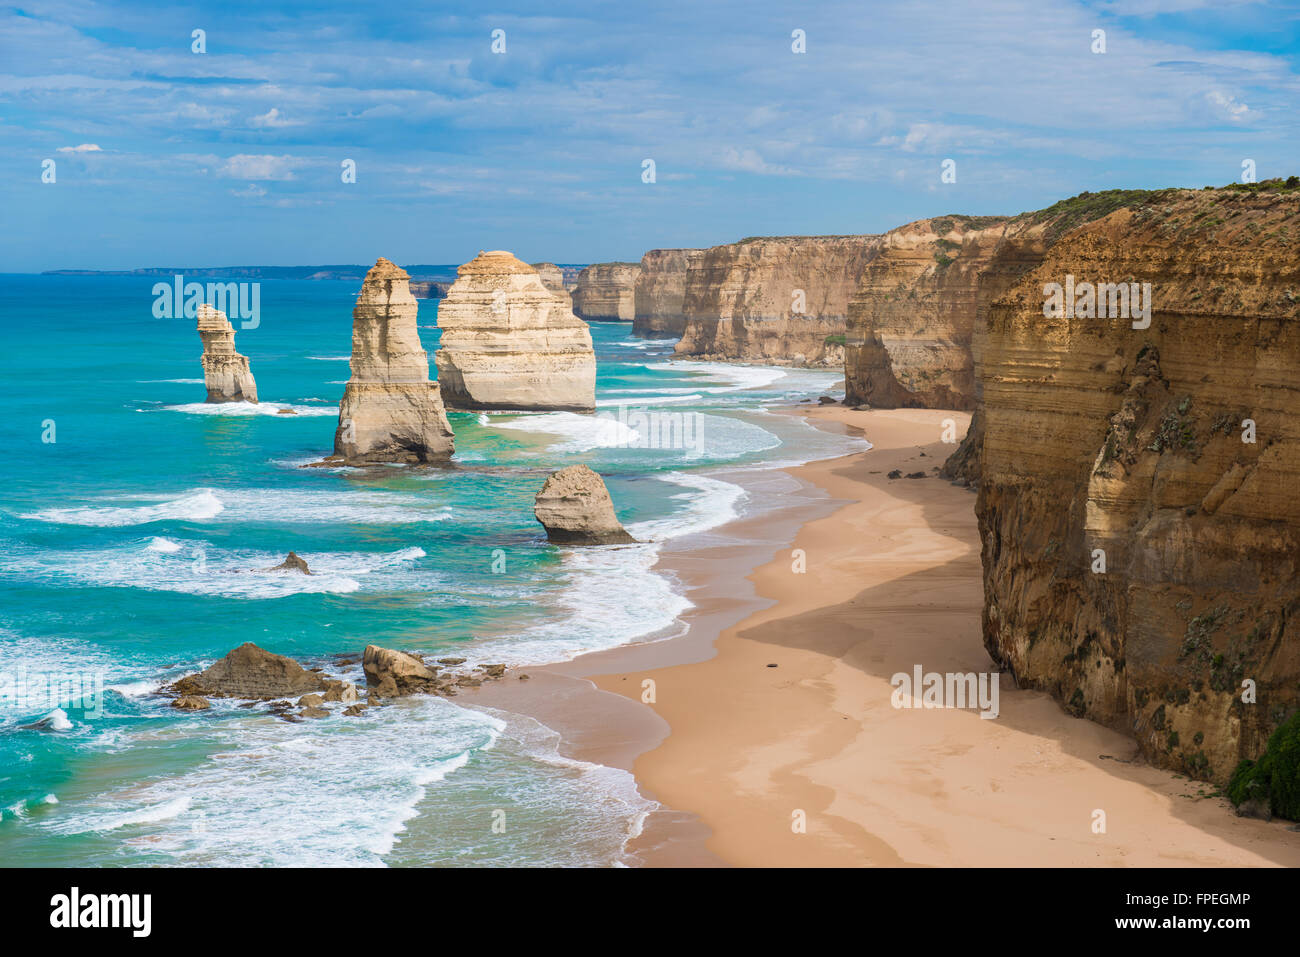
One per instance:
(508,342)
(780,300)
(1140,530)
(226,373)
(606,292)
(390,411)
(553,279)
(660,293)
(912,317)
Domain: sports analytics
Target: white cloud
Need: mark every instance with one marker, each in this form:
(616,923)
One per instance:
(83,148)
(270,119)
(1226,106)
(249,166)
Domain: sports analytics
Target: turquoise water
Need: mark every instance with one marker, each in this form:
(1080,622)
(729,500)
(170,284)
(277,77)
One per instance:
(133,549)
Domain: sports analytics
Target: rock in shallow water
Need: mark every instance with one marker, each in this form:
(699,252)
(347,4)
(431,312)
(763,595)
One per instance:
(251,672)
(575,509)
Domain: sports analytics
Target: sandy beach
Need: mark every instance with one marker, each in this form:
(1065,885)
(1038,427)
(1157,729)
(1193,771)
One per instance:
(775,708)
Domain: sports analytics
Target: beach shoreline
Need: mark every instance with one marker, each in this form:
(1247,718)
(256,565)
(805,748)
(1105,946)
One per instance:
(738,752)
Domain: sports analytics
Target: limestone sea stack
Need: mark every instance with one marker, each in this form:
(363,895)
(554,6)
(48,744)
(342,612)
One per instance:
(225,372)
(575,509)
(606,292)
(777,300)
(553,279)
(508,342)
(660,291)
(390,411)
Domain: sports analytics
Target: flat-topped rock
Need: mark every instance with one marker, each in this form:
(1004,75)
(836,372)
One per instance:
(509,342)
(575,509)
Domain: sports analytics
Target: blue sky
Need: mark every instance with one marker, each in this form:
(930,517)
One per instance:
(234,156)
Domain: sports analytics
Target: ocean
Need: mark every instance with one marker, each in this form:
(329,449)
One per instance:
(137,524)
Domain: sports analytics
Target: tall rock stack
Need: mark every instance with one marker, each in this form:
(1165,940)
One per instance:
(912,317)
(779,300)
(1141,532)
(660,292)
(390,411)
(553,279)
(508,342)
(606,292)
(225,372)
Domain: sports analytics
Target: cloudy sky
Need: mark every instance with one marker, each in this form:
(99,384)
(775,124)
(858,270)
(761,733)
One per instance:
(165,156)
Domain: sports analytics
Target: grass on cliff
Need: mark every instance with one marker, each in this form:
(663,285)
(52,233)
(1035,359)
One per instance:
(1087,207)
(1273,780)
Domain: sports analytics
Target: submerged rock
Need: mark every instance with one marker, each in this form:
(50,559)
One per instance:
(251,672)
(191,702)
(292,563)
(575,509)
(390,411)
(225,372)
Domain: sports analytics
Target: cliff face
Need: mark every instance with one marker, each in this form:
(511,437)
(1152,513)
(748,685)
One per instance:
(1140,551)
(779,300)
(225,372)
(912,317)
(390,411)
(660,292)
(508,342)
(606,292)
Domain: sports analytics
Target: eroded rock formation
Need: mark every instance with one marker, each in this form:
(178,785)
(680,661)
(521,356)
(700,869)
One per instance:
(606,292)
(912,317)
(575,509)
(225,372)
(779,300)
(250,672)
(508,342)
(553,279)
(1137,505)
(390,411)
(660,293)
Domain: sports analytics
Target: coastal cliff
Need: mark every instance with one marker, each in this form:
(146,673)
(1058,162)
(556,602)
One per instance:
(912,317)
(606,292)
(779,300)
(390,411)
(226,373)
(553,279)
(660,292)
(508,342)
(1136,492)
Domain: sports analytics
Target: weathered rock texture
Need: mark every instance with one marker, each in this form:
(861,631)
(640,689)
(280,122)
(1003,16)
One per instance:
(390,411)
(912,317)
(1101,439)
(606,292)
(251,672)
(508,342)
(428,288)
(393,674)
(660,292)
(553,279)
(575,509)
(742,300)
(225,372)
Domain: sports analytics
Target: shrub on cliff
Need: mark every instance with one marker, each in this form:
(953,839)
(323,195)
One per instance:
(1275,778)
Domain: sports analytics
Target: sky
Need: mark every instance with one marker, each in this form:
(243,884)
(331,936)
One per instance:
(164,156)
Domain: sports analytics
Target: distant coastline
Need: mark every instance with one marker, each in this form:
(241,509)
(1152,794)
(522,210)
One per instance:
(445,272)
